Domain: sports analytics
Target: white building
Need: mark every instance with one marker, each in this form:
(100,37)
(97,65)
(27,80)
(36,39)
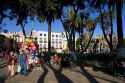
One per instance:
(56,40)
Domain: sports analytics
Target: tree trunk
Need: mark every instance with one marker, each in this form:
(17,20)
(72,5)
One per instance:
(23,30)
(80,35)
(74,38)
(69,37)
(89,40)
(111,45)
(103,30)
(119,23)
(32,28)
(49,37)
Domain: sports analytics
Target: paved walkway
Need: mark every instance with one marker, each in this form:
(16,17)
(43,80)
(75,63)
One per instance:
(57,75)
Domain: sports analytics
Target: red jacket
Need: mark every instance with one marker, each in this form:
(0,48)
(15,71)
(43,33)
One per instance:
(56,59)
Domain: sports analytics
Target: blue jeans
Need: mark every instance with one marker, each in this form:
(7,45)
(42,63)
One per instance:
(23,68)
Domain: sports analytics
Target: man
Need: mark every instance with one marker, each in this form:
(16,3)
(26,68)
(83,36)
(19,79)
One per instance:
(22,59)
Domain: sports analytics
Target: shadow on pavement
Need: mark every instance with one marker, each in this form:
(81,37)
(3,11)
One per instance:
(59,76)
(42,77)
(105,79)
(89,76)
(3,78)
(3,65)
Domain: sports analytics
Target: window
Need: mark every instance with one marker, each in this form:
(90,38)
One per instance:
(60,41)
(40,41)
(45,40)
(52,40)
(40,34)
(56,35)
(41,45)
(60,36)
(52,45)
(52,35)
(44,34)
(64,36)
(44,45)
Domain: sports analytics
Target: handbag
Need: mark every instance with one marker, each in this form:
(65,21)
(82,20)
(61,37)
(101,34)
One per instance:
(18,68)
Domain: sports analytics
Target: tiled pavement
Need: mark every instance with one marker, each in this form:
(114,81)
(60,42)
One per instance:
(56,75)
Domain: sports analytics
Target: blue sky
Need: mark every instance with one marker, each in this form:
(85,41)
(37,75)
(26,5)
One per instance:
(56,26)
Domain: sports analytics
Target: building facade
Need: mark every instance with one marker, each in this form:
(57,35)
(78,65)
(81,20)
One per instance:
(9,41)
(56,40)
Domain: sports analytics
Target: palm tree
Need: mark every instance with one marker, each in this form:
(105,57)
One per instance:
(106,18)
(49,10)
(70,22)
(90,26)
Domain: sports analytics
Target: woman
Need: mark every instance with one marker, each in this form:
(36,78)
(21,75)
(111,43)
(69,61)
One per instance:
(10,64)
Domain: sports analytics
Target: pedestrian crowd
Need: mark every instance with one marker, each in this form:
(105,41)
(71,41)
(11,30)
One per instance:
(26,62)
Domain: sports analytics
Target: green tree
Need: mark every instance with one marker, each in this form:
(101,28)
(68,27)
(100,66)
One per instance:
(53,49)
(117,5)
(70,23)
(49,11)
(78,44)
(106,18)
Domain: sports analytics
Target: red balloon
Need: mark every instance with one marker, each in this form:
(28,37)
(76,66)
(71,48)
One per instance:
(33,47)
(28,44)
(32,44)
(20,46)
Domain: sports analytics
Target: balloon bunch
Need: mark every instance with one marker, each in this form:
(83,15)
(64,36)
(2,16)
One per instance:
(28,44)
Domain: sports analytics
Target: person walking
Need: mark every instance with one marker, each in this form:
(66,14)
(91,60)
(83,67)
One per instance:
(22,60)
(10,63)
